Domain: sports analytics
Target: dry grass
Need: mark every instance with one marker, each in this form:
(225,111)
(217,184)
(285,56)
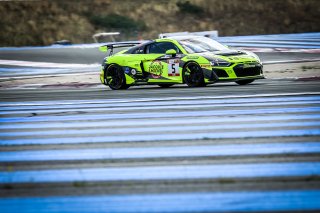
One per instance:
(43,22)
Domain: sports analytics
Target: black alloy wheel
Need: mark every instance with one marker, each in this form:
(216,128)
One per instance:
(115,78)
(193,75)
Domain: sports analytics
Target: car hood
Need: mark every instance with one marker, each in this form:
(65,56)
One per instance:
(229,52)
(228,55)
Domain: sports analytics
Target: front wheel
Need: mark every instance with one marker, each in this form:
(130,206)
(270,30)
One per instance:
(193,75)
(115,78)
(244,82)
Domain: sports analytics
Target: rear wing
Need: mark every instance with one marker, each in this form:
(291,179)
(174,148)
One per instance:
(111,46)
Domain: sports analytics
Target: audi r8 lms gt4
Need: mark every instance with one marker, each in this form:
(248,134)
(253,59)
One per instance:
(195,61)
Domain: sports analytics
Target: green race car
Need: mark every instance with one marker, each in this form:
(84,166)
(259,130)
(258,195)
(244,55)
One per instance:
(195,61)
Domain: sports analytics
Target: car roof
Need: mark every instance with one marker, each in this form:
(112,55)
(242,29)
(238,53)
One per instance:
(175,38)
(182,37)
(167,39)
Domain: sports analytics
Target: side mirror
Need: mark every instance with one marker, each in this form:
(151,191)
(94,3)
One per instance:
(103,49)
(171,52)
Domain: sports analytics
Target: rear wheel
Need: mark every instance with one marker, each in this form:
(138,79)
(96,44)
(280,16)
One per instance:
(193,75)
(115,77)
(165,85)
(245,82)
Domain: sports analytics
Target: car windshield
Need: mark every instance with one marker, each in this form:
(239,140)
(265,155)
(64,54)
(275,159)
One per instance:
(203,44)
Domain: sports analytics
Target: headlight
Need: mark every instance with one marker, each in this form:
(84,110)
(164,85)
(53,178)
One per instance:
(253,55)
(220,63)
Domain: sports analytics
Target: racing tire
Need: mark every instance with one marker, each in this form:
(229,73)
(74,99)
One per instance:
(165,85)
(115,77)
(245,82)
(193,75)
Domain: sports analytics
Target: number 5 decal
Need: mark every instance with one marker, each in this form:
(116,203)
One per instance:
(173,67)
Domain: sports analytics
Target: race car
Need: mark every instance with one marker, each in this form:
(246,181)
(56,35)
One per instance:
(192,60)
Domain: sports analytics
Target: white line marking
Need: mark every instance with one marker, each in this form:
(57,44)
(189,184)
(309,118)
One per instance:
(94,73)
(159,129)
(157,122)
(164,172)
(66,102)
(46,64)
(290,61)
(104,104)
(162,152)
(165,137)
(168,114)
(253,201)
(156,108)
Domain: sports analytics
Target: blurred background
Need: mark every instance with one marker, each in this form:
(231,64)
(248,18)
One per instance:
(45,22)
(70,144)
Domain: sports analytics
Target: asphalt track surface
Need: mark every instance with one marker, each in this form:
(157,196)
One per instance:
(92,55)
(220,148)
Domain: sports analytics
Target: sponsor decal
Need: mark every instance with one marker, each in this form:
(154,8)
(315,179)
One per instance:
(248,65)
(192,57)
(127,70)
(155,69)
(208,66)
(173,67)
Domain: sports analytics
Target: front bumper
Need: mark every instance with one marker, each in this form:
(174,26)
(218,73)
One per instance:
(238,71)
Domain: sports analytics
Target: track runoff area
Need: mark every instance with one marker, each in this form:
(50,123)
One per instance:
(222,148)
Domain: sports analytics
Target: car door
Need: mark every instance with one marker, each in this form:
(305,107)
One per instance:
(134,61)
(159,66)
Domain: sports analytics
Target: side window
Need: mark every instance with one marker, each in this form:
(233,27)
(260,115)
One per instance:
(139,50)
(161,47)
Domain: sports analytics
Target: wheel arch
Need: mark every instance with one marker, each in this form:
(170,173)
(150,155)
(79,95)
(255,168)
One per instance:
(107,66)
(184,66)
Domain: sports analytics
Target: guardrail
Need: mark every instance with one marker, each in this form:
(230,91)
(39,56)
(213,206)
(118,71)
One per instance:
(290,41)
(298,40)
